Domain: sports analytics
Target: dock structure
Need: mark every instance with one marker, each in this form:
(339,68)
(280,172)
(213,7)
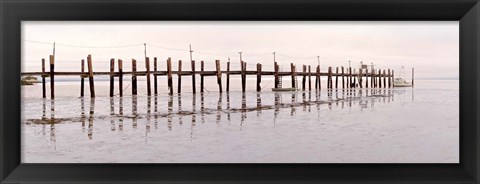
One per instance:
(354,77)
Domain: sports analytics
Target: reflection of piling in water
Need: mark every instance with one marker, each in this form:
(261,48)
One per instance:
(90,118)
(149,113)
(244,106)
(44,112)
(112,113)
(228,106)
(120,112)
(202,105)
(82,111)
(180,118)
(134,111)
(155,111)
(294,100)
(276,104)
(170,110)
(259,104)
(219,109)
(194,109)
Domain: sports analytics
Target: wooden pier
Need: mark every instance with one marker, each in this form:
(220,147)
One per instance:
(355,78)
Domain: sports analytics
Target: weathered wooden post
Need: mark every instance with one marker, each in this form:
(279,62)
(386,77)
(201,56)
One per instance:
(413,77)
(90,76)
(393,79)
(292,68)
(309,78)
(372,79)
(44,89)
(169,76)
(219,75)
(134,77)
(112,69)
(276,80)
(384,79)
(379,78)
(389,79)
(228,76)
(343,79)
(360,76)
(366,78)
(194,90)
(179,74)
(329,79)
(243,68)
(52,75)
(201,76)
(82,80)
(336,78)
(304,77)
(354,78)
(259,76)
(149,86)
(317,78)
(350,77)
(120,77)
(155,90)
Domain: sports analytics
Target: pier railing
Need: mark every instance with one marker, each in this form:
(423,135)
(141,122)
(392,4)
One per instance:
(350,77)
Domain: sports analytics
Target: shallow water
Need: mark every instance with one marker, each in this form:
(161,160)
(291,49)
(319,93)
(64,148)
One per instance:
(400,125)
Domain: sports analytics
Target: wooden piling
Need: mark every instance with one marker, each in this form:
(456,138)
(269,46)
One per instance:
(259,76)
(52,80)
(343,79)
(90,76)
(82,80)
(309,78)
(393,78)
(228,76)
(120,77)
(304,77)
(413,77)
(169,76)
(179,86)
(219,75)
(372,78)
(366,78)
(112,69)
(384,79)
(243,68)
(201,76)
(354,78)
(194,88)
(275,74)
(389,79)
(155,90)
(134,77)
(350,77)
(379,78)
(44,89)
(292,70)
(149,86)
(317,78)
(360,78)
(329,79)
(336,78)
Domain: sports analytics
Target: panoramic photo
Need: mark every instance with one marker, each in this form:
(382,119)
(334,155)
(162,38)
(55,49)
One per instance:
(240,92)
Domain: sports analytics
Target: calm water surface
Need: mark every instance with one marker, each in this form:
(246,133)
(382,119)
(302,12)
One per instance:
(400,125)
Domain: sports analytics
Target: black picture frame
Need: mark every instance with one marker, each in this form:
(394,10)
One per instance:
(12,12)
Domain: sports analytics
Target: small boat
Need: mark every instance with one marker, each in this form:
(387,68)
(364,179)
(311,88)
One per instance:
(400,82)
(284,89)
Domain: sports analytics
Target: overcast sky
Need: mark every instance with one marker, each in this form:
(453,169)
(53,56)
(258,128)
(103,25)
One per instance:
(431,47)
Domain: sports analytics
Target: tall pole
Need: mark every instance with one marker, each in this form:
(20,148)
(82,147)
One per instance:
(53,49)
(274,57)
(145,51)
(240,56)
